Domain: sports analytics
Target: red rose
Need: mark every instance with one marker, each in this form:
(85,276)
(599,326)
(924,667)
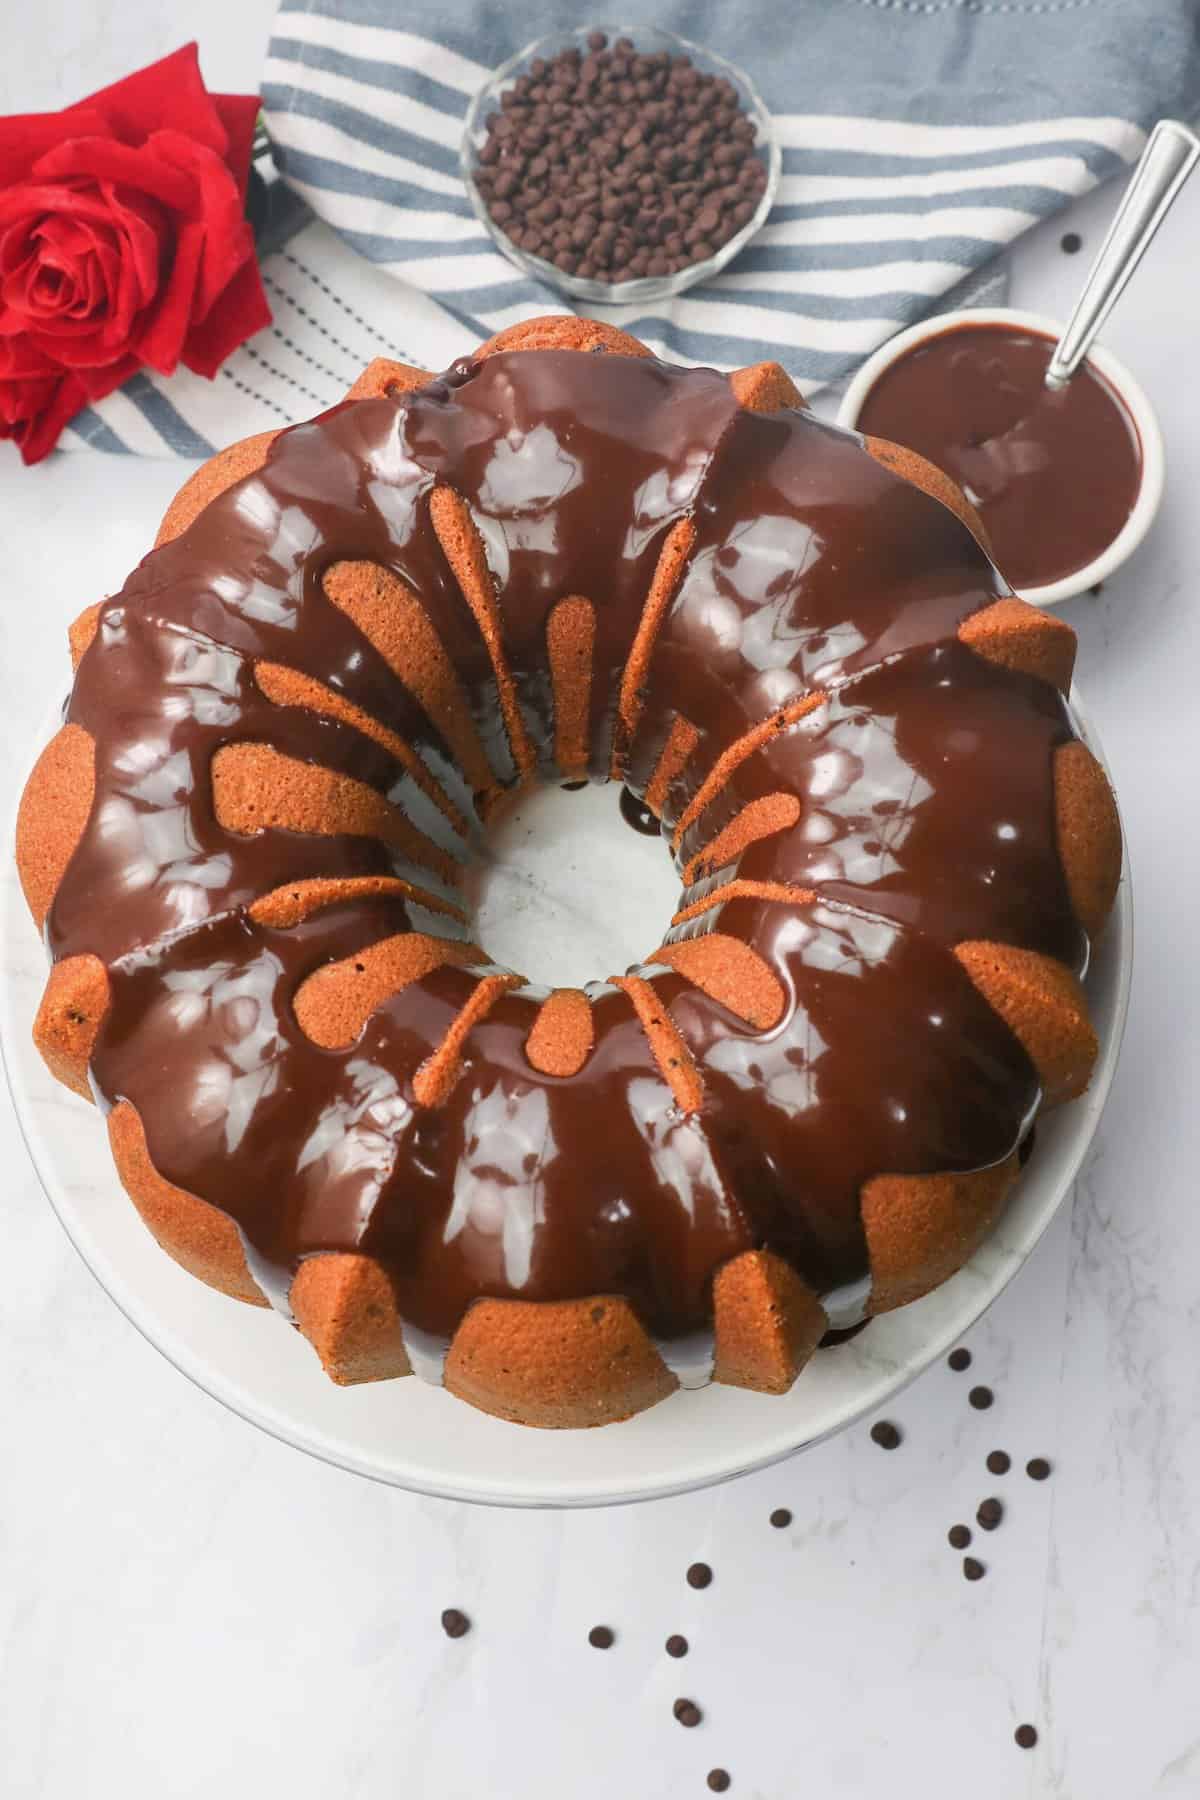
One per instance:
(123,243)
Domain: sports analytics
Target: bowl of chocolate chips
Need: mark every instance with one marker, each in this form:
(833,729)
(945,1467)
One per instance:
(619,163)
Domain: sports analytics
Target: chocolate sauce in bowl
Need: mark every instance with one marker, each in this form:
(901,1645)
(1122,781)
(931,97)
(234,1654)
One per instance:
(1053,473)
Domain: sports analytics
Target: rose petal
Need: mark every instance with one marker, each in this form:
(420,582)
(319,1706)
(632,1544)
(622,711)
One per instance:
(32,200)
(99,382)
(160,337)
(22,361)
(45,292)
(228,239)
(145,239)
(26,136)
(101,160)
(172,88)
(99,267)
(34,412)
(239,115)
(241,311)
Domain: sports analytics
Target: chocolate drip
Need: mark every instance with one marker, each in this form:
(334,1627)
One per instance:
(926,800)
(637,814)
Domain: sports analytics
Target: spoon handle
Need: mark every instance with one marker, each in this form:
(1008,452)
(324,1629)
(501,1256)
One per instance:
(1165,164)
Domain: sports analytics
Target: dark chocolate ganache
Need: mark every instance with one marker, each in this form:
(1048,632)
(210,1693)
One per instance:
(810,649)
(1053,473)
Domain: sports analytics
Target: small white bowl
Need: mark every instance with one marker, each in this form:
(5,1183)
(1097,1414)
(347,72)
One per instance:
(1106,364)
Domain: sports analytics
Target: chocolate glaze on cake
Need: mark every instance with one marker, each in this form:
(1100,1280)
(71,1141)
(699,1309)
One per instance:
(770,622)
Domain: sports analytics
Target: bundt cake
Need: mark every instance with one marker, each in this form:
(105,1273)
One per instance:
(286,733)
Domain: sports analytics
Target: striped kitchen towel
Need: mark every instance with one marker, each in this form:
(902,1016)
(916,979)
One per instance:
(919,138)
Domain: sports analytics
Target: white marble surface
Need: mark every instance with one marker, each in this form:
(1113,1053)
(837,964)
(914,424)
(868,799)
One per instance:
(187,1608)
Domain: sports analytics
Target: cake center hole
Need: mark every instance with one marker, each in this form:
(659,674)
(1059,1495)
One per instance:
(566,891)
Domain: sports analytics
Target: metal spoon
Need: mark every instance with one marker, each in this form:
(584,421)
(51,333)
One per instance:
(1170,156)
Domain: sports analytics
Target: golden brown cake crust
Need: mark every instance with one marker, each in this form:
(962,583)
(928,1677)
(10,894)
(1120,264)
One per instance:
(765,387)
(54,809)
(1043,1005)
(556,1363)
(345,1307)
(921,1229)
(1089,835)
(72,1010)
(557,331)
(766,1323)
(201,1239)
(588,1361)
(1018,636)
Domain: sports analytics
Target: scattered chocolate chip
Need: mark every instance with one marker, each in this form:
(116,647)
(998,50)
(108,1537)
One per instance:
(699,1575)
(972,1568)
(999,1462)
(885,1434)
(1071,242)
(676,1645)
(781,1518)
(687,1712)
(959,1536)
(989,1514)
(1026,1736)
(455,1624)
(1096,591)
(981,1398)
(1037,1468)
(959,1360)
(601,1637)
(719,1781)
(616,164)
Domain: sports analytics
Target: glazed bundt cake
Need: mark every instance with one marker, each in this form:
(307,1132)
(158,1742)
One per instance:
(286,733)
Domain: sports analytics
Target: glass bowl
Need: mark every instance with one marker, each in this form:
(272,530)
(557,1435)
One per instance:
(648,40)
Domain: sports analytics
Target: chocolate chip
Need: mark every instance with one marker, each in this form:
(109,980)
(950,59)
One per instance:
(999,1462)
(781,1518)
(886,1435)
(719,1781)
(1037,1468)
(981,1398)
(601,1637)
(959,1536)
(455,1624)
(1071,242)
(959,1360)
(648,139)
(972,1568)
(687,1712)
(676,1645)
(699,1575)
(989,1514)
(1026,1736)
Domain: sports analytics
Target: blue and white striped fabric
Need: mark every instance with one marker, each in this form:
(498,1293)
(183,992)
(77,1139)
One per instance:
(919,138)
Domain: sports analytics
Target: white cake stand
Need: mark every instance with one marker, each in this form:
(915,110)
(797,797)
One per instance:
(416,1436)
